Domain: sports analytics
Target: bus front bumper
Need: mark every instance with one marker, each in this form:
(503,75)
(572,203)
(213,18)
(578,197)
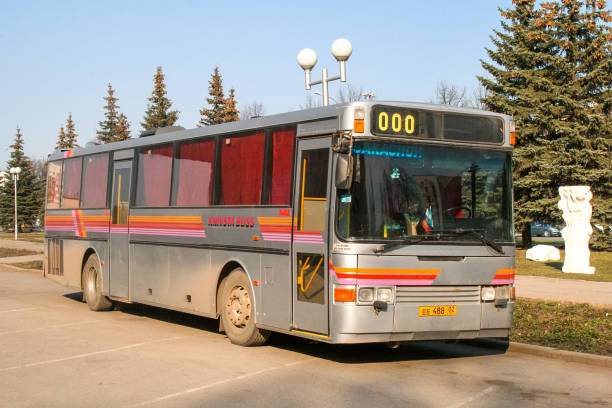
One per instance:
(401,322)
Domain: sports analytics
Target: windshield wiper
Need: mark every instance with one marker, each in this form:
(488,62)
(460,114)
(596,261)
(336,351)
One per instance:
(478,233)
(409,241)
(436,235)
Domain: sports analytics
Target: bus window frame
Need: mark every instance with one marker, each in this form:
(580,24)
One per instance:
(216,191)
(108,180)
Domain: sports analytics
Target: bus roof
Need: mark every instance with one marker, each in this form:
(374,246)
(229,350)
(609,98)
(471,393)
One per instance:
(301,116)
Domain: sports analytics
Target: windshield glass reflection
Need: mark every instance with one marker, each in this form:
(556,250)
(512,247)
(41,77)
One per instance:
(399,191)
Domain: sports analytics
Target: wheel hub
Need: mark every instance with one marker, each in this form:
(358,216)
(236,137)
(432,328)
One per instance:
(238,306)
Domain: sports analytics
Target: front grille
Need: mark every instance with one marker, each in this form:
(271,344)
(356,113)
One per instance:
(437,294)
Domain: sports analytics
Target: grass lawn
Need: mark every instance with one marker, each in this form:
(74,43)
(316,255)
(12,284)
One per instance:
(29,265)
(575,327)
(602,261)
(8,252)
(24,236)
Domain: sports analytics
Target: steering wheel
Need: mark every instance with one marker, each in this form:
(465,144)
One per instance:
(463,211)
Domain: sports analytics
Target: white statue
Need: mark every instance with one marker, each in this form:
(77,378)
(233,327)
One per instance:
(577,215)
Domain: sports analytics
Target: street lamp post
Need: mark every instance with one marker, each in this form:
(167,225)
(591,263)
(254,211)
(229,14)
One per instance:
(15,173)
(341,50)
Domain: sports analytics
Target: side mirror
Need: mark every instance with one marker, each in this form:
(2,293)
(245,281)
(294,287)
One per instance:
(344,172)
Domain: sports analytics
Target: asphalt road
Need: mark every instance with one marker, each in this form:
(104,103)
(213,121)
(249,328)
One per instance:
(54,352)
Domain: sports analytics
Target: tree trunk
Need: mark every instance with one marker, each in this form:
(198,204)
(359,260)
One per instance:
(526,235)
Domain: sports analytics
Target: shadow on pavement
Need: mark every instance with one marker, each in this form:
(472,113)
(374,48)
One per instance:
(341,353)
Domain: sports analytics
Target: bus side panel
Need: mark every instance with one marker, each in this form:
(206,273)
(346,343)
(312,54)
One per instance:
(276,288)
(174,276)
(72,252)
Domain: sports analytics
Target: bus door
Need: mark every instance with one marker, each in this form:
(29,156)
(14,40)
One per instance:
(309,249)
(119,237)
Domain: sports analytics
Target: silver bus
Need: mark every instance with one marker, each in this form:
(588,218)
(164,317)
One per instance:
(352,223)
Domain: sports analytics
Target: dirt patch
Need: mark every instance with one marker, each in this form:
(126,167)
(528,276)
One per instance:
(10,252)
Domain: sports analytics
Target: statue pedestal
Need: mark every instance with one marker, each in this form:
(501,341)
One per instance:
(577,215)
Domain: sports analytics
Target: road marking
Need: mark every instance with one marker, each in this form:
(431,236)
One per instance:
(228,380)
(54,326)
(95,353)
(473,397)
(25,309)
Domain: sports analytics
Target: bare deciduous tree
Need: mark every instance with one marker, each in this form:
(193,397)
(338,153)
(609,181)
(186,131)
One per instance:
(448,94)
(311,102)
(349,93)
(478,95)
(252,110)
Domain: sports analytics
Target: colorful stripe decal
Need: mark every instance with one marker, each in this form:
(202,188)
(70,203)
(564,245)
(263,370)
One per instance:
(384,276)
(281,229)
(78,223)
(68,153)
(164,225)
(503,277)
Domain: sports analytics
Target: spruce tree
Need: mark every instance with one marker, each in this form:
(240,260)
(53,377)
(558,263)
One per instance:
(108,127)
(115,127)
(551,71)
(123,128)
(29,200)
(579,148)
(518,86)
(218,104)
(231,111)
(158,113)
(62,143)
(71,135)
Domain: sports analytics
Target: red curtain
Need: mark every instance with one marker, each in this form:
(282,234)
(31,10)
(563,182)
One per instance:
(282,167)
(54,184)
(95,181)
(242,169)
(195,173)
(155,176)
(71,188)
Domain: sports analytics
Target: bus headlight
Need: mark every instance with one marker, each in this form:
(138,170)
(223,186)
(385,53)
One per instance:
(502,294)
(385,295)
(365,295)
(487,293)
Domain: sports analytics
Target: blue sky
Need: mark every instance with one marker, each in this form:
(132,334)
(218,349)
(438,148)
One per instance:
(58,57)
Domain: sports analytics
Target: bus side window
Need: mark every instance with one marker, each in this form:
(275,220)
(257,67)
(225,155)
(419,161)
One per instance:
(313,190)
(279,171)
(54,184)
(121,195)
(71,185)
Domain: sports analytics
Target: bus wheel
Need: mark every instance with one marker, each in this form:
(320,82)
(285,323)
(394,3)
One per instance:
(92,286)
(238,311)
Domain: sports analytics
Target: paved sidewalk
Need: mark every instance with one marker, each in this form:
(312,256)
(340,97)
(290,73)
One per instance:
(21,259)
(564,290)
(32,246)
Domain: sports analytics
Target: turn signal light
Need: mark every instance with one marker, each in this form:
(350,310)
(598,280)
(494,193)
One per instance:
(359,121)
(344,295)
(512,132)
(512,293)
(358,126)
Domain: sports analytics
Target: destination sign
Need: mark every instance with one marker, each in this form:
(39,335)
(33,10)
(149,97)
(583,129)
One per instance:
(394,121)
(432,124)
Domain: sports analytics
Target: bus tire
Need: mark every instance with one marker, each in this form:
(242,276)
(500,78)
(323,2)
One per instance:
(92,286)
(238,311)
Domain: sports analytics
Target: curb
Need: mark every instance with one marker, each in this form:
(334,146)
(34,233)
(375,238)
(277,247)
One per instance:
(11,268)
(548,352)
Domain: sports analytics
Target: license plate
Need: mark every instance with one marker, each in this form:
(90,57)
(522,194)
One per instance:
(450,310)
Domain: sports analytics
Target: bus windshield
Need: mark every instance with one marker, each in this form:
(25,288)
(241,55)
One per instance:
(401,191)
